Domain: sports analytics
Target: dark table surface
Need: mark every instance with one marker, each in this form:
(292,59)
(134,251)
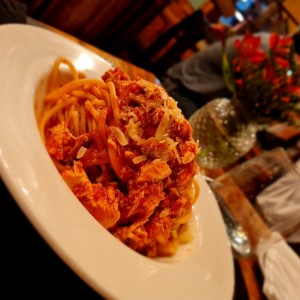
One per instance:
(30,268)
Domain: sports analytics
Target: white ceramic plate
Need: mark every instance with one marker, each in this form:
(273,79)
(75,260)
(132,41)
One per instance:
(202,269)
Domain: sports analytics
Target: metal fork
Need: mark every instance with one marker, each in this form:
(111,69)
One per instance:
(237,237)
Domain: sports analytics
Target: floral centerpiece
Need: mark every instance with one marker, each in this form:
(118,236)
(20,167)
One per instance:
(265,87)
(266,83)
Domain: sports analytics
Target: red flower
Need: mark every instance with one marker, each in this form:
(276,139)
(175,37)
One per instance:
(269,73)
(268,83)
(286,99)
(239,82)
(273,42)
(248,49)
(220,31)
(295,90)
(280,45)
(276,41)
(283,63)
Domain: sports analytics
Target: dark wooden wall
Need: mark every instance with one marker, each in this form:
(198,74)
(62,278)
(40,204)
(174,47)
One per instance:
(128,29)
(109,24)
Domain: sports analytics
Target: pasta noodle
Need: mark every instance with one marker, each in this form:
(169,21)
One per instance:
(127,153)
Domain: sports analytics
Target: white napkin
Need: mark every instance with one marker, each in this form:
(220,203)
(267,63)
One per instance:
(279,204)
(281,268)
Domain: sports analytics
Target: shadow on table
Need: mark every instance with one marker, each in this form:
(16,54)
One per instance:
(28,264)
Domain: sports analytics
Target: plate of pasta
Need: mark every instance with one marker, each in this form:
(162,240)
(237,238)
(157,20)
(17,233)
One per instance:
(103,166)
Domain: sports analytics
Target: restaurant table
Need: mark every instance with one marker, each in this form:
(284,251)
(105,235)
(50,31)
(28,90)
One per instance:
(32,268)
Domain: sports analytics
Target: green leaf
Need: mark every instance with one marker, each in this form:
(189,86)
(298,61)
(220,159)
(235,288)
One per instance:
(228,74)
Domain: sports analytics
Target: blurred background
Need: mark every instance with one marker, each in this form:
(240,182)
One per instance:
(155,34)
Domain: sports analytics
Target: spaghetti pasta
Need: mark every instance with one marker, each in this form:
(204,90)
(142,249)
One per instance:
(127,153)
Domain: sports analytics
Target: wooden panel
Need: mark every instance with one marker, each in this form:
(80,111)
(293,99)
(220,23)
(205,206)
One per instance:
(172,14)
(169,47)
(107,24)
(226,8)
